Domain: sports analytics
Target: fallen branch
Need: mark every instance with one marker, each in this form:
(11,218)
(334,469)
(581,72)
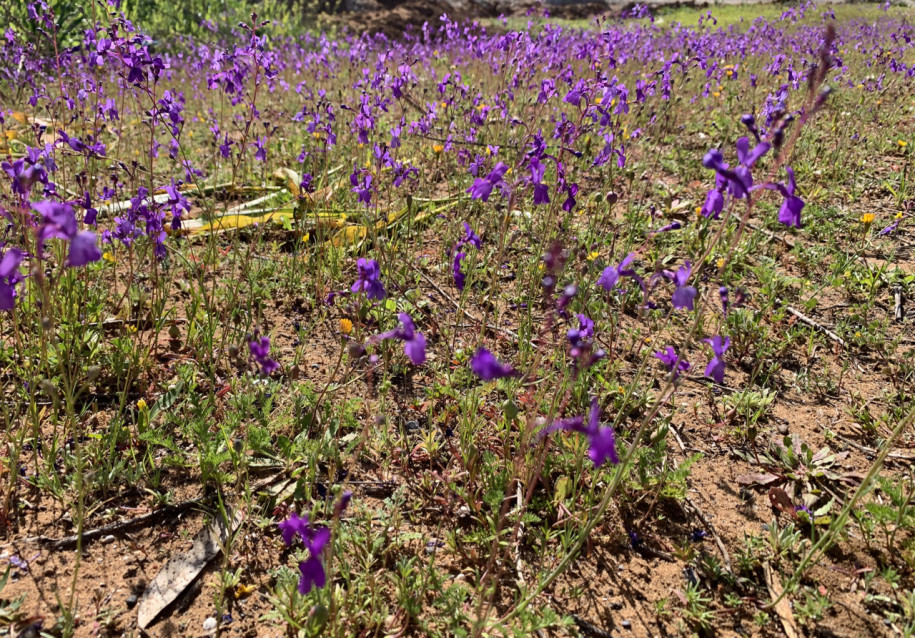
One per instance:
(899,456)
(813,324)
(60,543)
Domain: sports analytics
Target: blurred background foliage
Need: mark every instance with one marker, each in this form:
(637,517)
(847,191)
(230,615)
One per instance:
(163,21)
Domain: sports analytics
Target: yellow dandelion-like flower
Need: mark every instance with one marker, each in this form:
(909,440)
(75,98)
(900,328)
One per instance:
(716,94)
(438,148)
(868,218)
(598,99)
(141,405)
(107,256)
(593,255)
(346,326)
(698,211)
(899,215)
(720,263)
(132,329)
(902,143)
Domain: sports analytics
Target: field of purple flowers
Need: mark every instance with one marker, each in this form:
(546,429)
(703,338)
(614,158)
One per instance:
(489,330)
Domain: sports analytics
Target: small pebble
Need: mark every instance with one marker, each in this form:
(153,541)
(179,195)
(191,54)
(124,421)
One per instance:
(626,624)
(131,601)
(107,540)
(209,624)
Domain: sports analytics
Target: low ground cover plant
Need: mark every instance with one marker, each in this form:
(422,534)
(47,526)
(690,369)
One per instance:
(499,328)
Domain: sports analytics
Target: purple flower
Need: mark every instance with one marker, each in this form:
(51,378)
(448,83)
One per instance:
(611,275)
(414,342)
(469,237)
(714,204)
(673,362)
(83,249)
(260,352)
(292,527)
(487,367)
(314,540)
(367,280)
(343,503)
(790,211)
(723,293)
(59,222)
(747,157)
(541,190)
(459,276)
(738,181)
(312,575)
(683,295)
(9,277)
(601,440)
(482,187)
(715,367)
(578,336)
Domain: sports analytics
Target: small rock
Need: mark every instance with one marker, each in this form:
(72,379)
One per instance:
(107,540)
(626,624)
(411,426)
(783,428)
(209,624)
(131,601)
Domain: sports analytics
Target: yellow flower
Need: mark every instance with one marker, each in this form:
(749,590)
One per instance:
(131,329)
(243,591)
(698,211)
(598,99)
(868,218)
(593,255)
(107,256)
(720,263)
(902,143)
(899,215)
(438,148)
(716,94)
(346,326)
(141,405)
